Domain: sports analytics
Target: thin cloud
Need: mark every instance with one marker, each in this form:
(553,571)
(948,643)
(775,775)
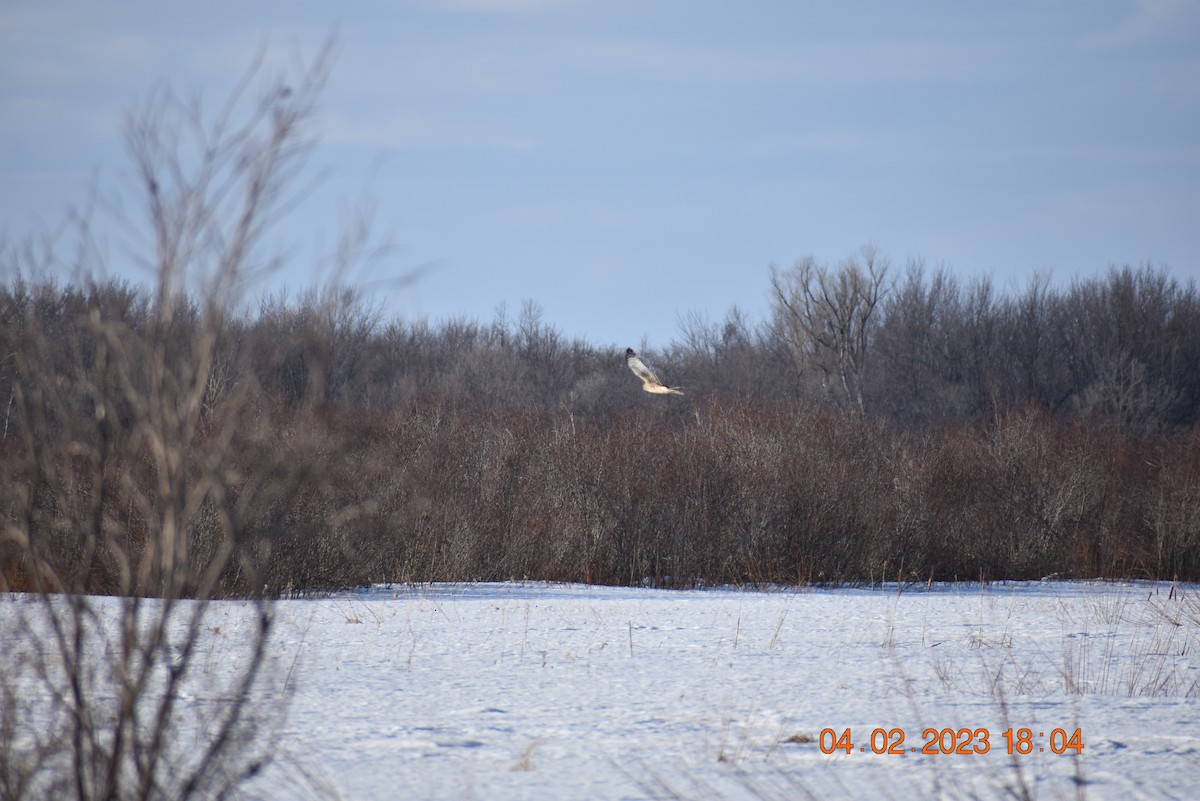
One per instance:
(1149,22)
(500,6)
(418,130)
(883,62)
(831,141)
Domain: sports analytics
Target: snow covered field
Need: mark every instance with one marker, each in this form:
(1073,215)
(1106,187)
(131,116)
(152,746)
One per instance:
(538,691)
(507,691)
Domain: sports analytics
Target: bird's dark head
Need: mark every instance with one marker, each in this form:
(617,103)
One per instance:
(629,352)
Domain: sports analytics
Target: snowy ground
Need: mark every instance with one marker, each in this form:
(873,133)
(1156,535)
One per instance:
(507,691)
(535,691)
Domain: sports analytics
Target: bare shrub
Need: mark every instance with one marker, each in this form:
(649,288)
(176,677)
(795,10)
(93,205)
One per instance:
(733,491)
(136,465)
(1173,511)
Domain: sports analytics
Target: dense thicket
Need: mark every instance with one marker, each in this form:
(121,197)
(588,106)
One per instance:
(907,429)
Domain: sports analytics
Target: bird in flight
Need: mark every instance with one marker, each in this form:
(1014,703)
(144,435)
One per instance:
(650,381)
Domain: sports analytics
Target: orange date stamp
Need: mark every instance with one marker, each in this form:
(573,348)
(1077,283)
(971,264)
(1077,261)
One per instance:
(954,741)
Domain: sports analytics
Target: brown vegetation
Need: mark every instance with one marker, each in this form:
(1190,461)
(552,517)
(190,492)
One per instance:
(472,452)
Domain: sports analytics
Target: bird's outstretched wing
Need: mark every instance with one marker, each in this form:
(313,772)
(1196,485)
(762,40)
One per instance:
(649,380)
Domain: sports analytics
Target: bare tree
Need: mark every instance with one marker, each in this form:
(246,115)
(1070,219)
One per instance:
(1034,350)
(1132,347)
(125,474)
(826,316)
(920,374)
(1123,393)
(730,357)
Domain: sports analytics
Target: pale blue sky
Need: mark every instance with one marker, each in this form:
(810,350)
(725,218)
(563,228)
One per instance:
(626,163)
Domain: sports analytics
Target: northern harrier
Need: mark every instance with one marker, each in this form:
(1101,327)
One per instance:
(650,381)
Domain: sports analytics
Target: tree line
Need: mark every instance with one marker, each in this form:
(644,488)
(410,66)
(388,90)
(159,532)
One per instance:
(1120,351)
(874,427)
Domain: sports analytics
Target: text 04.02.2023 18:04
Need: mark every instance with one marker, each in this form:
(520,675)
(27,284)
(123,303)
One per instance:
(954,741)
